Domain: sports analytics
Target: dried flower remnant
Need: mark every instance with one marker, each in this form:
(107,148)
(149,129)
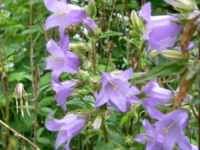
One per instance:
(22,98)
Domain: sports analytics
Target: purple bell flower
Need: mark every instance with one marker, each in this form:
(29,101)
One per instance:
(60,60)
(67,128)
(161,31)
(63,14)
(116,91)
(166,132)
(156,96)
(63,90)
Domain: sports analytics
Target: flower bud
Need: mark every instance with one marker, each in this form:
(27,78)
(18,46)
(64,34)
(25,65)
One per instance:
(97,122)
(183,5)
(91,9)
(172,54)
(136,21)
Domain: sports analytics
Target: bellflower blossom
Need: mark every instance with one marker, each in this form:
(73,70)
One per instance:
(116,91)
(161,31)
(60,60)
(166,133)
(67,128)
(63,90)
(156,96)
(65,15)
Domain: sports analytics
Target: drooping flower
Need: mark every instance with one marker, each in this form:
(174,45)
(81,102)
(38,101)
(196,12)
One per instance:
(90,25)
(60,60)
(116,91)
(156,96)
(153,90)
(63,90)
(166,132)
(161,31)
(67,128)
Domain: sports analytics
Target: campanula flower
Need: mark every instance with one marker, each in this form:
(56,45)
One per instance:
(63,90)
(63,14)
(60,60)
(67,128)
(116,91)
(152,140)
(161,31)
(156,96)
(171,126)
(166,132)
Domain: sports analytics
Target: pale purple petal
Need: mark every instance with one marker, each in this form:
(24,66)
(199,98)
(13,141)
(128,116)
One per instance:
(61,138)
(90,25)
(145,11)
(125,75)
(56,6)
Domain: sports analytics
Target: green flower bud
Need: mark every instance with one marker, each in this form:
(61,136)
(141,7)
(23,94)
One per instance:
(136,21)
(183,5)
(91,9)
(172,54)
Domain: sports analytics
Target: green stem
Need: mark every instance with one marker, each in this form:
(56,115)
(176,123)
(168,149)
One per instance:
(94,62)
(103,128)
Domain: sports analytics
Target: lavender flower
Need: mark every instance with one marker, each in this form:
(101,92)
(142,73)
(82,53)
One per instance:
(152,140)
(156,96)
(65,15)
(117,91)
(67,128)
(171,126)
(63,90)
(161,31)
(90,25)
(166,132)
(60,60)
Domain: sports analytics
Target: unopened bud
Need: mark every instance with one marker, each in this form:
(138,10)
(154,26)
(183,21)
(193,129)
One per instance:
(91,9)
(172,54)
(97,122)
(183,5)
(136,21)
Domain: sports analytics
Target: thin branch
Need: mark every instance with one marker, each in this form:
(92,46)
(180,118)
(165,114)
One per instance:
(18,135)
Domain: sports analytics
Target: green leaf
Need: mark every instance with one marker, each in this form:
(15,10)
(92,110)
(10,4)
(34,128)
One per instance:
(196,101)
(169,68)
(18,76)
(104,146)
(109,34)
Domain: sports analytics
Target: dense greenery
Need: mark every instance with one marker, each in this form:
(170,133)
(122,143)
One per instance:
(119,46)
